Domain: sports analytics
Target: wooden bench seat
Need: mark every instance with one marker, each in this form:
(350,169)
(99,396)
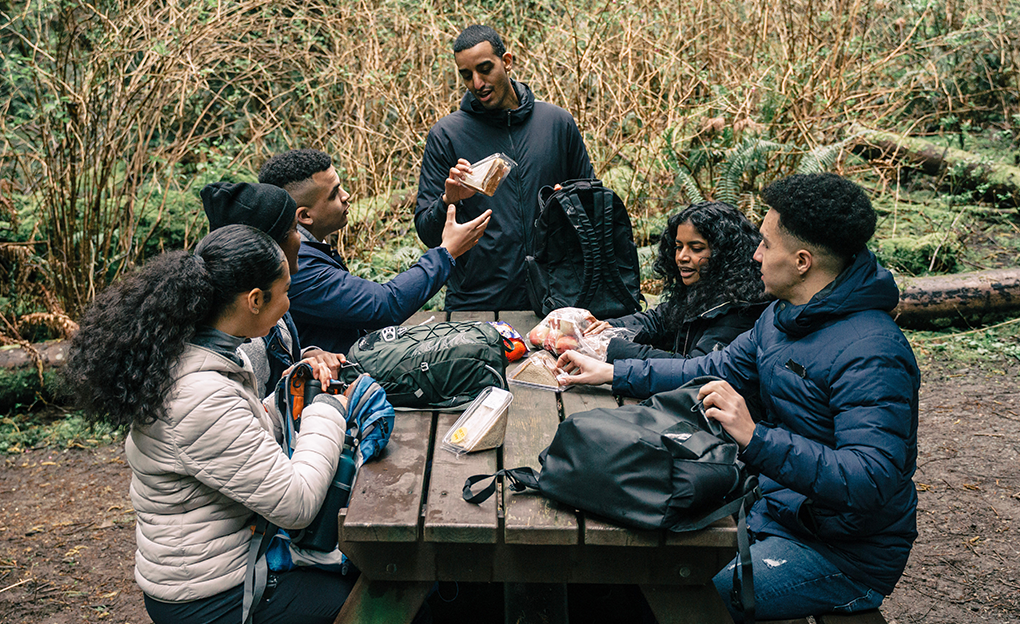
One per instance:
(873,616)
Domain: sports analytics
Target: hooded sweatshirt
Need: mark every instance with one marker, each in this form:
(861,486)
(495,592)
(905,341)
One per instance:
(544,142)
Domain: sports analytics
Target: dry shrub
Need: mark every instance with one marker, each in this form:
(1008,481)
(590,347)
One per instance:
(104,100)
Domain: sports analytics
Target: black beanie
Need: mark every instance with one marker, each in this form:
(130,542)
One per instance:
(262,206)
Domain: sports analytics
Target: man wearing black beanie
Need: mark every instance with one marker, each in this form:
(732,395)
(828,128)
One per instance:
(272,210)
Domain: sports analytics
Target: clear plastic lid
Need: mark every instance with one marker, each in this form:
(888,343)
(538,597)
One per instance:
(482,425)
(488,173)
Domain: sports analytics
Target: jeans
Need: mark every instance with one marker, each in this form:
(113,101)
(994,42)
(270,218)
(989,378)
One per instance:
(793,581)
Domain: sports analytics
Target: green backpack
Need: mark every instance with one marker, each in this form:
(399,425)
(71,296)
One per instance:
(442,365)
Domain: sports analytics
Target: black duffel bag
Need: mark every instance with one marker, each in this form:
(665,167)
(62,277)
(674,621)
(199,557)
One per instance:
(658,465)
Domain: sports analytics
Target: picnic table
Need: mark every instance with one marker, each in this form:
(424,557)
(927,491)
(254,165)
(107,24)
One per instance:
(407,526)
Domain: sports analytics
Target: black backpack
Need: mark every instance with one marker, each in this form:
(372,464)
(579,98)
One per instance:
(442,365)
(584,255)
(658,465)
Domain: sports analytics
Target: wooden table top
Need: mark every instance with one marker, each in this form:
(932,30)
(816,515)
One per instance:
(407,520)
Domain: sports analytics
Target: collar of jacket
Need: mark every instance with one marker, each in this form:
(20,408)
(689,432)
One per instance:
(470,105)
(219,342)
(306,236)
(715,311)
(309,243)
(864,285)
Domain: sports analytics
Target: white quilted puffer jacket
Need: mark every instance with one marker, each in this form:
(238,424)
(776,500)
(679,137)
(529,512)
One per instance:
(198,476)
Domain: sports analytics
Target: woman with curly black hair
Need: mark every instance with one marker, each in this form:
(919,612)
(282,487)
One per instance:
(712,289)
(158,351)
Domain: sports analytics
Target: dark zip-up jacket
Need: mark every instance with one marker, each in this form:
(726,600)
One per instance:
(710,331)
(333,308)
(837,448)
(546,145)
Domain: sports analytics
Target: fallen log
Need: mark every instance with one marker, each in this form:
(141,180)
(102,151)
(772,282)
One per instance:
(998,182)
(935,300)
(924,302)
(52,354)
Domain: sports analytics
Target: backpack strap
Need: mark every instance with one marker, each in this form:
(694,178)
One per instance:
(256,572)
(743,584)
(518,479)
(578,218)
(606,203)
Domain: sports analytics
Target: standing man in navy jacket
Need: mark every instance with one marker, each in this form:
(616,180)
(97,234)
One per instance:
(331,307)
(497,114)
(836,447)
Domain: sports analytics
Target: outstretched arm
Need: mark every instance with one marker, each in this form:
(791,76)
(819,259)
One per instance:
(459,237)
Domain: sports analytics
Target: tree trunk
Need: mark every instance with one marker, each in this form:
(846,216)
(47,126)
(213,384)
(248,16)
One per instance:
(956,298)
(997,181)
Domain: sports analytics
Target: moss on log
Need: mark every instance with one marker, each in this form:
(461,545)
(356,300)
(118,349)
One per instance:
(997,181)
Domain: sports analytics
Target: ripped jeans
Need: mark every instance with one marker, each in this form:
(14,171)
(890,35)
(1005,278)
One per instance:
(792,581)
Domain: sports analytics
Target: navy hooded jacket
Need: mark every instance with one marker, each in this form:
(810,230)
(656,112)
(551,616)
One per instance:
(837,447)
(333,308)
(544,142)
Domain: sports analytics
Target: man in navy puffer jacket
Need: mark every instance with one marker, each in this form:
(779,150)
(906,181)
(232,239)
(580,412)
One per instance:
(836,446)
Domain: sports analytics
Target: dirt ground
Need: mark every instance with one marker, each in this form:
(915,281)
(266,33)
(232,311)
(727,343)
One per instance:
(67,527)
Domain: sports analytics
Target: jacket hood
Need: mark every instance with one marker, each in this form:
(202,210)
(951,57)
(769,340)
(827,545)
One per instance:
(864,285)
(470,105)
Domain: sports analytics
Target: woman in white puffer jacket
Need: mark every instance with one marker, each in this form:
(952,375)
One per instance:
(158,351)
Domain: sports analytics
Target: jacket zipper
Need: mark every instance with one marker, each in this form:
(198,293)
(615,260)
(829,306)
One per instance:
(525,226)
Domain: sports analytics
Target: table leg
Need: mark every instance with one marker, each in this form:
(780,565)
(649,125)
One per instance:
(535,603)
(383,601)
(686,604)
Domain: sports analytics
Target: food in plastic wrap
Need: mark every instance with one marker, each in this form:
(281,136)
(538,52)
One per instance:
(596,345)
(482,425)
(487,174)
(563,329)
(538,370)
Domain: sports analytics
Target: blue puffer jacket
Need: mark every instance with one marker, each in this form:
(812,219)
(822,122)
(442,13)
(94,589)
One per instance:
(837,447)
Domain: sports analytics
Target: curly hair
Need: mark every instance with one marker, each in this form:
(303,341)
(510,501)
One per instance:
(475,34)
(295,166)
(133,333)
(731,273)
(823,209)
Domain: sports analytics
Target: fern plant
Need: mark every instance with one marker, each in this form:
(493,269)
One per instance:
(722,168)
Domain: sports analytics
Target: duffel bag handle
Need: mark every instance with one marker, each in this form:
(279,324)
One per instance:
(519,479)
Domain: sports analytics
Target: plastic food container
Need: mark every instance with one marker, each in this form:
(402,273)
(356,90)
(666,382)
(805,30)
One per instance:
(482,425)
(488,173)
(538,371)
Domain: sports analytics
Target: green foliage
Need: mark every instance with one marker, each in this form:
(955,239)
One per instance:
(723,168)
(997,345)
(115,114)
(646,258)
(22,387)
(914,254)
(21,432)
